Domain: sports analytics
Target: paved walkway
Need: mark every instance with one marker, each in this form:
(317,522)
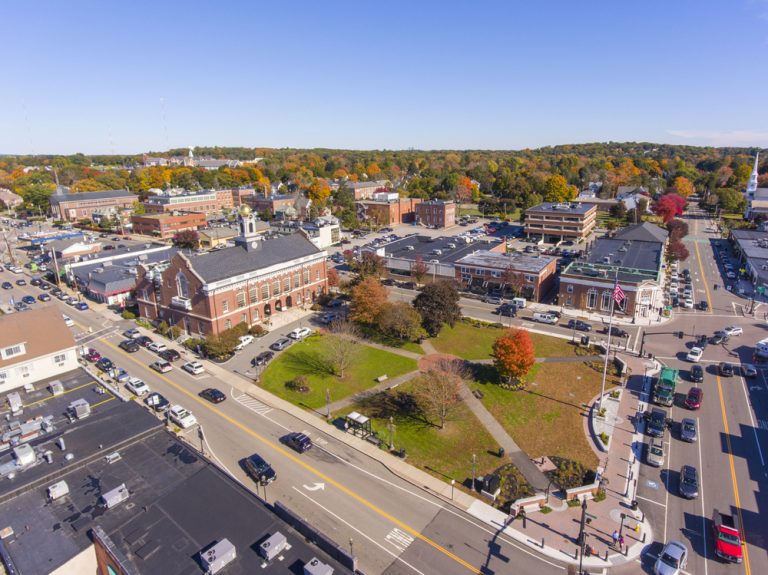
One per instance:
(384,385)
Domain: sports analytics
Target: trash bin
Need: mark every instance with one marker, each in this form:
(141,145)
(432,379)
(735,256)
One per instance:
(402,452)
(501,452)
(634,505)
(584,340)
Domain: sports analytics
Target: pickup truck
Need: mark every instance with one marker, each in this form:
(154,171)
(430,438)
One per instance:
(727,535)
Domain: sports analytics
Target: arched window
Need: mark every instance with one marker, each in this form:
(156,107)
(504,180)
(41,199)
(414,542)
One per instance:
(182,285)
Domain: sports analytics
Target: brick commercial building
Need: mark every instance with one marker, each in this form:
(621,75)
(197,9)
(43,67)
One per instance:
(247,283)
(436,213)
(558,222)
(79,206)
(290,205)
(207,202)
(530,276)
(165,226)
(365,190)
(388,212)
(634,256)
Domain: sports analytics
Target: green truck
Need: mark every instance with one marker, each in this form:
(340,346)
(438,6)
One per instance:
(664,388)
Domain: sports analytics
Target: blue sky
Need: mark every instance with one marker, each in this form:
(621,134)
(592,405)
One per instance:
(128,77)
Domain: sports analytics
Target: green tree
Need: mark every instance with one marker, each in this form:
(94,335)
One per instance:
(556,189)
(438,304)
(138,208)
(731,201)
(186,239)
(400,321)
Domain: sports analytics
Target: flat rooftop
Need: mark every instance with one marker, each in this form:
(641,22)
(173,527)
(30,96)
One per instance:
(179,502)
(579,208)
(636,261)
(753,244)
(519,262)
(410,247)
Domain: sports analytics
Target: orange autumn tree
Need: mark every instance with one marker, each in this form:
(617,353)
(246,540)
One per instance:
(513,354)
(683,186)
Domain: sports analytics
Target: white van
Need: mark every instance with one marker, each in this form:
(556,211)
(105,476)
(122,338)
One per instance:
(549,318)
(518,302)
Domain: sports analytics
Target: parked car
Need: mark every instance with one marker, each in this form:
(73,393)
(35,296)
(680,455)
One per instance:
(121,376)
(170,355)
(28,299)
(213,395)
(132,333)
(259,470)
(244,340)
(688,430)
(702,341)
(704,305)
(44,297)
(280,344)
(7,285)
(143,340)
(263,358)
(725,369)
(181,417)
(733,330)
(748,370)
(616,331)
(694,398)
(105,364)
(689,482)
(92,355)
(579,325)
(694,355)
(672,559)
(655,454)
(129,346)
(300,333)
(81,306)
(299,441)
(68,321)
(697,373)
(193,367)
(157,402)
(137,386)
(157,346)
(161,366)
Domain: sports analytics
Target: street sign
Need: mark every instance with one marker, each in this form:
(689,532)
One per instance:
(761,290)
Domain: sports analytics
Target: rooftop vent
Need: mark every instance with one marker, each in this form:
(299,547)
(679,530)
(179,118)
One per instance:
(218,556)
(273,546)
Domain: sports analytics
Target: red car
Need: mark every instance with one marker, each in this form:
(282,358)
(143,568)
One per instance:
(93,356)
(694,397)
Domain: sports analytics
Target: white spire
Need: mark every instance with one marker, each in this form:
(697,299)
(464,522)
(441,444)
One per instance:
(752,184)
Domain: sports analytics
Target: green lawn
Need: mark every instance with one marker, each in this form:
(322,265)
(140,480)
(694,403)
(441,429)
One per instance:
(380,338)
(547,417)
(306,358)
(445,453)
(469,342)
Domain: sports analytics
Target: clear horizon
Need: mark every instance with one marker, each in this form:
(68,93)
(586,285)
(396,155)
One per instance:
(99,79)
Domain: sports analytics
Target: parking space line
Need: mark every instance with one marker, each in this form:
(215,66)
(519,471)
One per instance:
(60,394)
(650,501)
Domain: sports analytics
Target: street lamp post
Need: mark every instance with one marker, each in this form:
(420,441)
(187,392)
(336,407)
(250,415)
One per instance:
(351,547)
(327,403)
(582,534)
(453,484)
(392,433)
(474,460)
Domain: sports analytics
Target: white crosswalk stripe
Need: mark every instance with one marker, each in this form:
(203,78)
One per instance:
(252,403)
(399,539)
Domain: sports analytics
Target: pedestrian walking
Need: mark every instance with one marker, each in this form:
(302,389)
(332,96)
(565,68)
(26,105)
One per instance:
(621,542)
(615,537)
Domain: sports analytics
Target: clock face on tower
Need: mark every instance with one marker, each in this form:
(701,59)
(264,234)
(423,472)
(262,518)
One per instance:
(255,244)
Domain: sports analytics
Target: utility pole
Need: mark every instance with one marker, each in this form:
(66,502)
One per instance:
(582,534)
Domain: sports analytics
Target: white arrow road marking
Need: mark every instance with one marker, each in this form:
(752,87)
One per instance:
(314,487)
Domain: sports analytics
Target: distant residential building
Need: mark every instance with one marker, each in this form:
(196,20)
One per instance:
(34,345)
(167,225)
(387,213)
(534,276)
(248,283)
(365,190)
(324,231)
(436,213)
(633,257)
(207,202)
(9,199)
(556,222)
(79,206)
(150,161)
(287,205)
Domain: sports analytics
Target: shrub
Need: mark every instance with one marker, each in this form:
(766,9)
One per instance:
(162,327)
(568,473)
(545,509)
(599,496)
(316,307)
(604,437)
(143,323)
(193,343)
(573,503)
(174,332)
(128,314)
(257,330)
(615,394)
(299,384)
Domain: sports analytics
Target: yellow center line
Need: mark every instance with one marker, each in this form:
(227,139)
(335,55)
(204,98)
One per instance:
(733,475)
(305,465)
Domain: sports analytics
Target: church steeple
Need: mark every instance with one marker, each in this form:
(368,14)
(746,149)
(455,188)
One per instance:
(752,184)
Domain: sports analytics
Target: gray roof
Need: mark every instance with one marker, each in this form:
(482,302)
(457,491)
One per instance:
(170,515)
(645,232)
(424,245)
(753,244)
(563,207)
(496,260)
(226,232)
(223,264)
(635,260)
(127,259)
(110,280)
(79,196)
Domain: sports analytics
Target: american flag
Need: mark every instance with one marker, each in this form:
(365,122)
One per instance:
(618,294)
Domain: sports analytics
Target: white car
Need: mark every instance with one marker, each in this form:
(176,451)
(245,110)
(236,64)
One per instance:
(68,321)
(193,367)
(157,346)
(733,330)
(688,303)
(300,333)
(694,355)
(181,417)
(137,387)
(244,340)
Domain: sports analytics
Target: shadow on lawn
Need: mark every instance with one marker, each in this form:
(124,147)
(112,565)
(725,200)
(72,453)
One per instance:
(308,363)
(398,404)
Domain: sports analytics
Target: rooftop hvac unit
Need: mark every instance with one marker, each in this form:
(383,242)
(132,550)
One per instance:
(24,455)
(114,496)
(56,388)
(80,409)
(14,402)
(273,546)
(218,556)
(57,490)
(317,567)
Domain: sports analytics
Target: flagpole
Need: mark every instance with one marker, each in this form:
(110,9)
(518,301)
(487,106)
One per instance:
(608,347)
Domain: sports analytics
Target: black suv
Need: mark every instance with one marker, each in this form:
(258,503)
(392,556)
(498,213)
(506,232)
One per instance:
(259,470)
(725,369)
(616,331)
(263,358)
(656,422)
(579,325)
(298,441)
(697,373)
(129,345)
(170,354)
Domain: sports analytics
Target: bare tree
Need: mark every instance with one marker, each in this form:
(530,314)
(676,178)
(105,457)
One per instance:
(342,345)
(513,280)
(438,391)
